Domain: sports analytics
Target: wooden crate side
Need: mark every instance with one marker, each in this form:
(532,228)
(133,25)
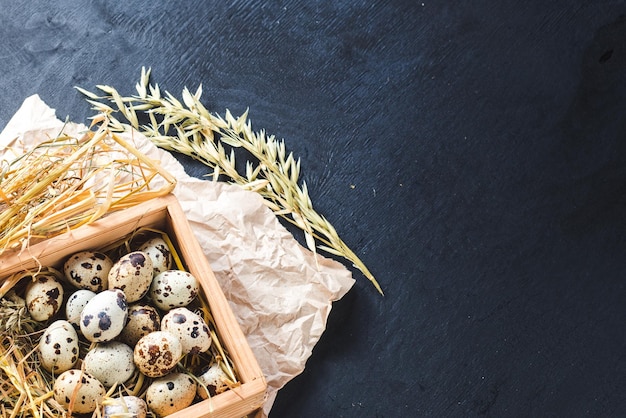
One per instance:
(231,333)
(251,393)
(235,403)
(98,234)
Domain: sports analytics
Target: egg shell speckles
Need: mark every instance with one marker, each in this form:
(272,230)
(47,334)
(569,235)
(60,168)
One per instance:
(44,297)
(58,347)
(104,316)
(79,388)
(132,273)
(142,320)
(215,380)
(125,406)
(170,393)
(75,305)
(110,363)
(160,254)
(190,329)
(173,289)
(88,270)
(157,353)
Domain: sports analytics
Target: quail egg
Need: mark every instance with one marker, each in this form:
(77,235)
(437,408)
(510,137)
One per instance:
(110,363)
(44,297)
(125,406)
(58,347)
(132,273)
(160,254)
(170,393)
(190,329)
(104,316)
(79,390)
(142,320)
(157,353)
(75,305)
(88,270)
(214,379)
(173,289)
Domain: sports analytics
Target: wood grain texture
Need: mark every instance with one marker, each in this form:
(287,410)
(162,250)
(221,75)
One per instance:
(472,154)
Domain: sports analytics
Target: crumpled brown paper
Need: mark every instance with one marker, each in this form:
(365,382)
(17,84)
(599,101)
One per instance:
(280,292)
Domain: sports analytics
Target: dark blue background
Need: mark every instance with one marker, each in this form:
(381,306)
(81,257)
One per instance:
(472,153)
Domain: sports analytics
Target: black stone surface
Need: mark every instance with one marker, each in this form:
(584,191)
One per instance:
(472,153)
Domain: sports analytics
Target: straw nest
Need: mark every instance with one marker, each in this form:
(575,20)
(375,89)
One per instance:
(26,388)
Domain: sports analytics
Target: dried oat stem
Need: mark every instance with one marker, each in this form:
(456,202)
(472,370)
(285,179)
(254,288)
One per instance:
(189,128)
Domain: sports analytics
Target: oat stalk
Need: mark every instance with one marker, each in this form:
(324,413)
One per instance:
(188,128)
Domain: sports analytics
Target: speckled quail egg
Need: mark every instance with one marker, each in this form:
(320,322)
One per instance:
(58,347)
(132,273)
(157,353)
(88,270)
(104,316)
(173,289)
(110,363)
(44,297)
(125,407)
(142,320)
(170,393)
(75,304)
(214,379)
(79,389)
(160,254)
(190,329)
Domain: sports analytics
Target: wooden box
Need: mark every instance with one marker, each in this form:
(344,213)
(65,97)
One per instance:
(164,214)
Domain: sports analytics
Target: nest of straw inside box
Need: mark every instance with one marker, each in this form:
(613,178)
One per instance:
(26,387)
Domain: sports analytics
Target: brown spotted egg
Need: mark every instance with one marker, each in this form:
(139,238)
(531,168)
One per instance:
(214,379)
(111,363)
(88,270)
(173,289)
(58,347)
(190,329)
(142,320)
(44,297)
(104,316)
(132,273)
(79,389)
(75,304)
(160,254)
(157,353)
(170,393)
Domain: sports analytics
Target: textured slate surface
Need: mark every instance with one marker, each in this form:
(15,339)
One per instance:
(472,153)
